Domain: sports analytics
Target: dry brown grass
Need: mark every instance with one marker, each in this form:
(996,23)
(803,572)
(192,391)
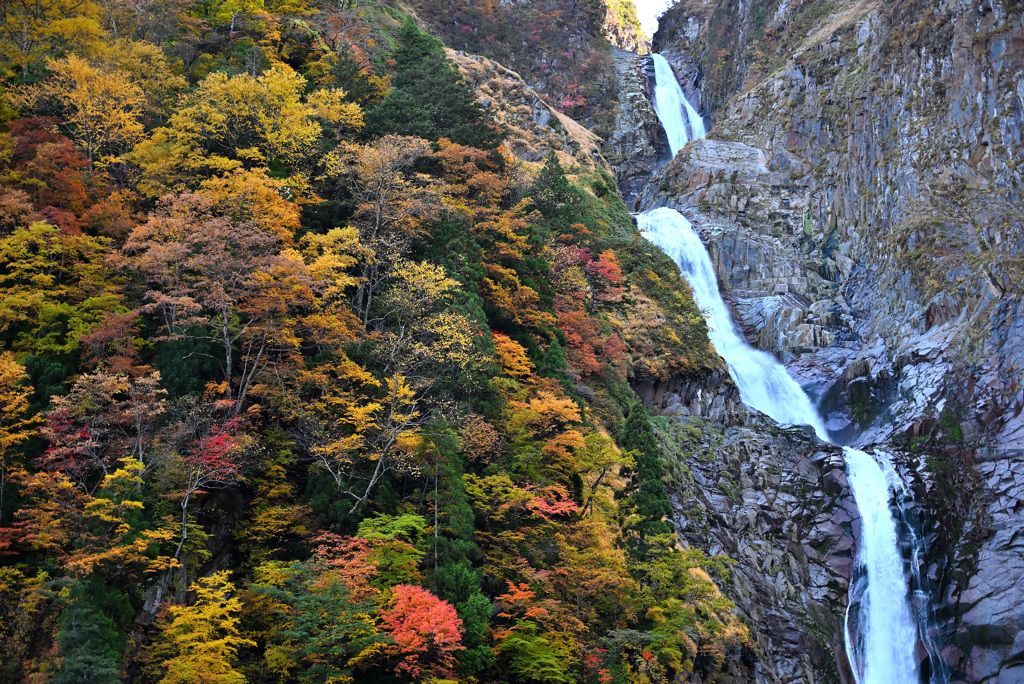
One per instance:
(518,108)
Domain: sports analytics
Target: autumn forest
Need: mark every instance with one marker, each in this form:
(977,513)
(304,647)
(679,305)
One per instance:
(306,377)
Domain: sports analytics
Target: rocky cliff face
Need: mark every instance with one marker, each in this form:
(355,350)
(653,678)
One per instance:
(861,196)
(777,503)
(532,127)
(637,145)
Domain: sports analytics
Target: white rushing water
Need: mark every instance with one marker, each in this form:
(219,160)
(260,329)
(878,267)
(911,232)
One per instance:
(889,629)
(884,651)
(763,382)
(670,104)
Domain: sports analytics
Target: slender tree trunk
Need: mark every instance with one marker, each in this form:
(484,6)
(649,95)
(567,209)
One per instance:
(152,606)
(436,505)
(3,485)
(184,525)
(110,18)
(228,358)
(377,472)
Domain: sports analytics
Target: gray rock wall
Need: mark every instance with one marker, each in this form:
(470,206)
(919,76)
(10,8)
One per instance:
(863,203)
(637,145)
(777,502)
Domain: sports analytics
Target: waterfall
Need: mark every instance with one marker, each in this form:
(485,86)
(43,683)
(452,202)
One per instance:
(889,632)
(763,382)
(669,105)
(884,653)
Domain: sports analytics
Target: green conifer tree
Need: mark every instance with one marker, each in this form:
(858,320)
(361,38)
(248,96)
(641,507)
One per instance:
(553,361)
(428,98)
(88,647)
(555,197)
(648,498)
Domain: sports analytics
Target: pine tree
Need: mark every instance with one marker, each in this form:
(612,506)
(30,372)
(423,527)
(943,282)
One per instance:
(429,99)
(555,197)
(648,499)
(87,647)
(553,362)
(321,626)
(360,87)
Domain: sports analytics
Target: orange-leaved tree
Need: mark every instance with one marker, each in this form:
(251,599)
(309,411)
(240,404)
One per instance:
(426,632)
(214,279)
(392,203)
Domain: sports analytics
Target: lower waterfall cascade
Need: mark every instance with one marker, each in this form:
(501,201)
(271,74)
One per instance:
(882,648)
(889,633)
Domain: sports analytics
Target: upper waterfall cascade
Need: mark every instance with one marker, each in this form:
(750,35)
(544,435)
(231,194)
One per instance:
(670,104)
(884,650)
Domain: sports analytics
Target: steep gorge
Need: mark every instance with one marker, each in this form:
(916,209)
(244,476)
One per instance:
(860,197)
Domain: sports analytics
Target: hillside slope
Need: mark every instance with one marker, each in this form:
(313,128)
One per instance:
(562,49)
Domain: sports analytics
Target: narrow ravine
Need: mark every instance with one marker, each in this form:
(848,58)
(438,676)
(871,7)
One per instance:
(880,628)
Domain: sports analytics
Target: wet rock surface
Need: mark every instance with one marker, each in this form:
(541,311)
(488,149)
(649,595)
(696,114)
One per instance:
(637,145)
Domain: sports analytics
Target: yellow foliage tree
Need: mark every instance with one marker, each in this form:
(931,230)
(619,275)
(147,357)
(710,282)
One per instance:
(329,326)
(15,426)
(90,533)
(251,196)
(111,542)
(420,344)
(205,635)
(330,104)
(329,257)
(54,287)
(597,462)
(392,204)
(102,107)
(237,122)
(220,12)
(31,29)
(146,65)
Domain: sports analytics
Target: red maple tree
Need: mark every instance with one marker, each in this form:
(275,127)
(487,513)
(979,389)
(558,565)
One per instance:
(426,630)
